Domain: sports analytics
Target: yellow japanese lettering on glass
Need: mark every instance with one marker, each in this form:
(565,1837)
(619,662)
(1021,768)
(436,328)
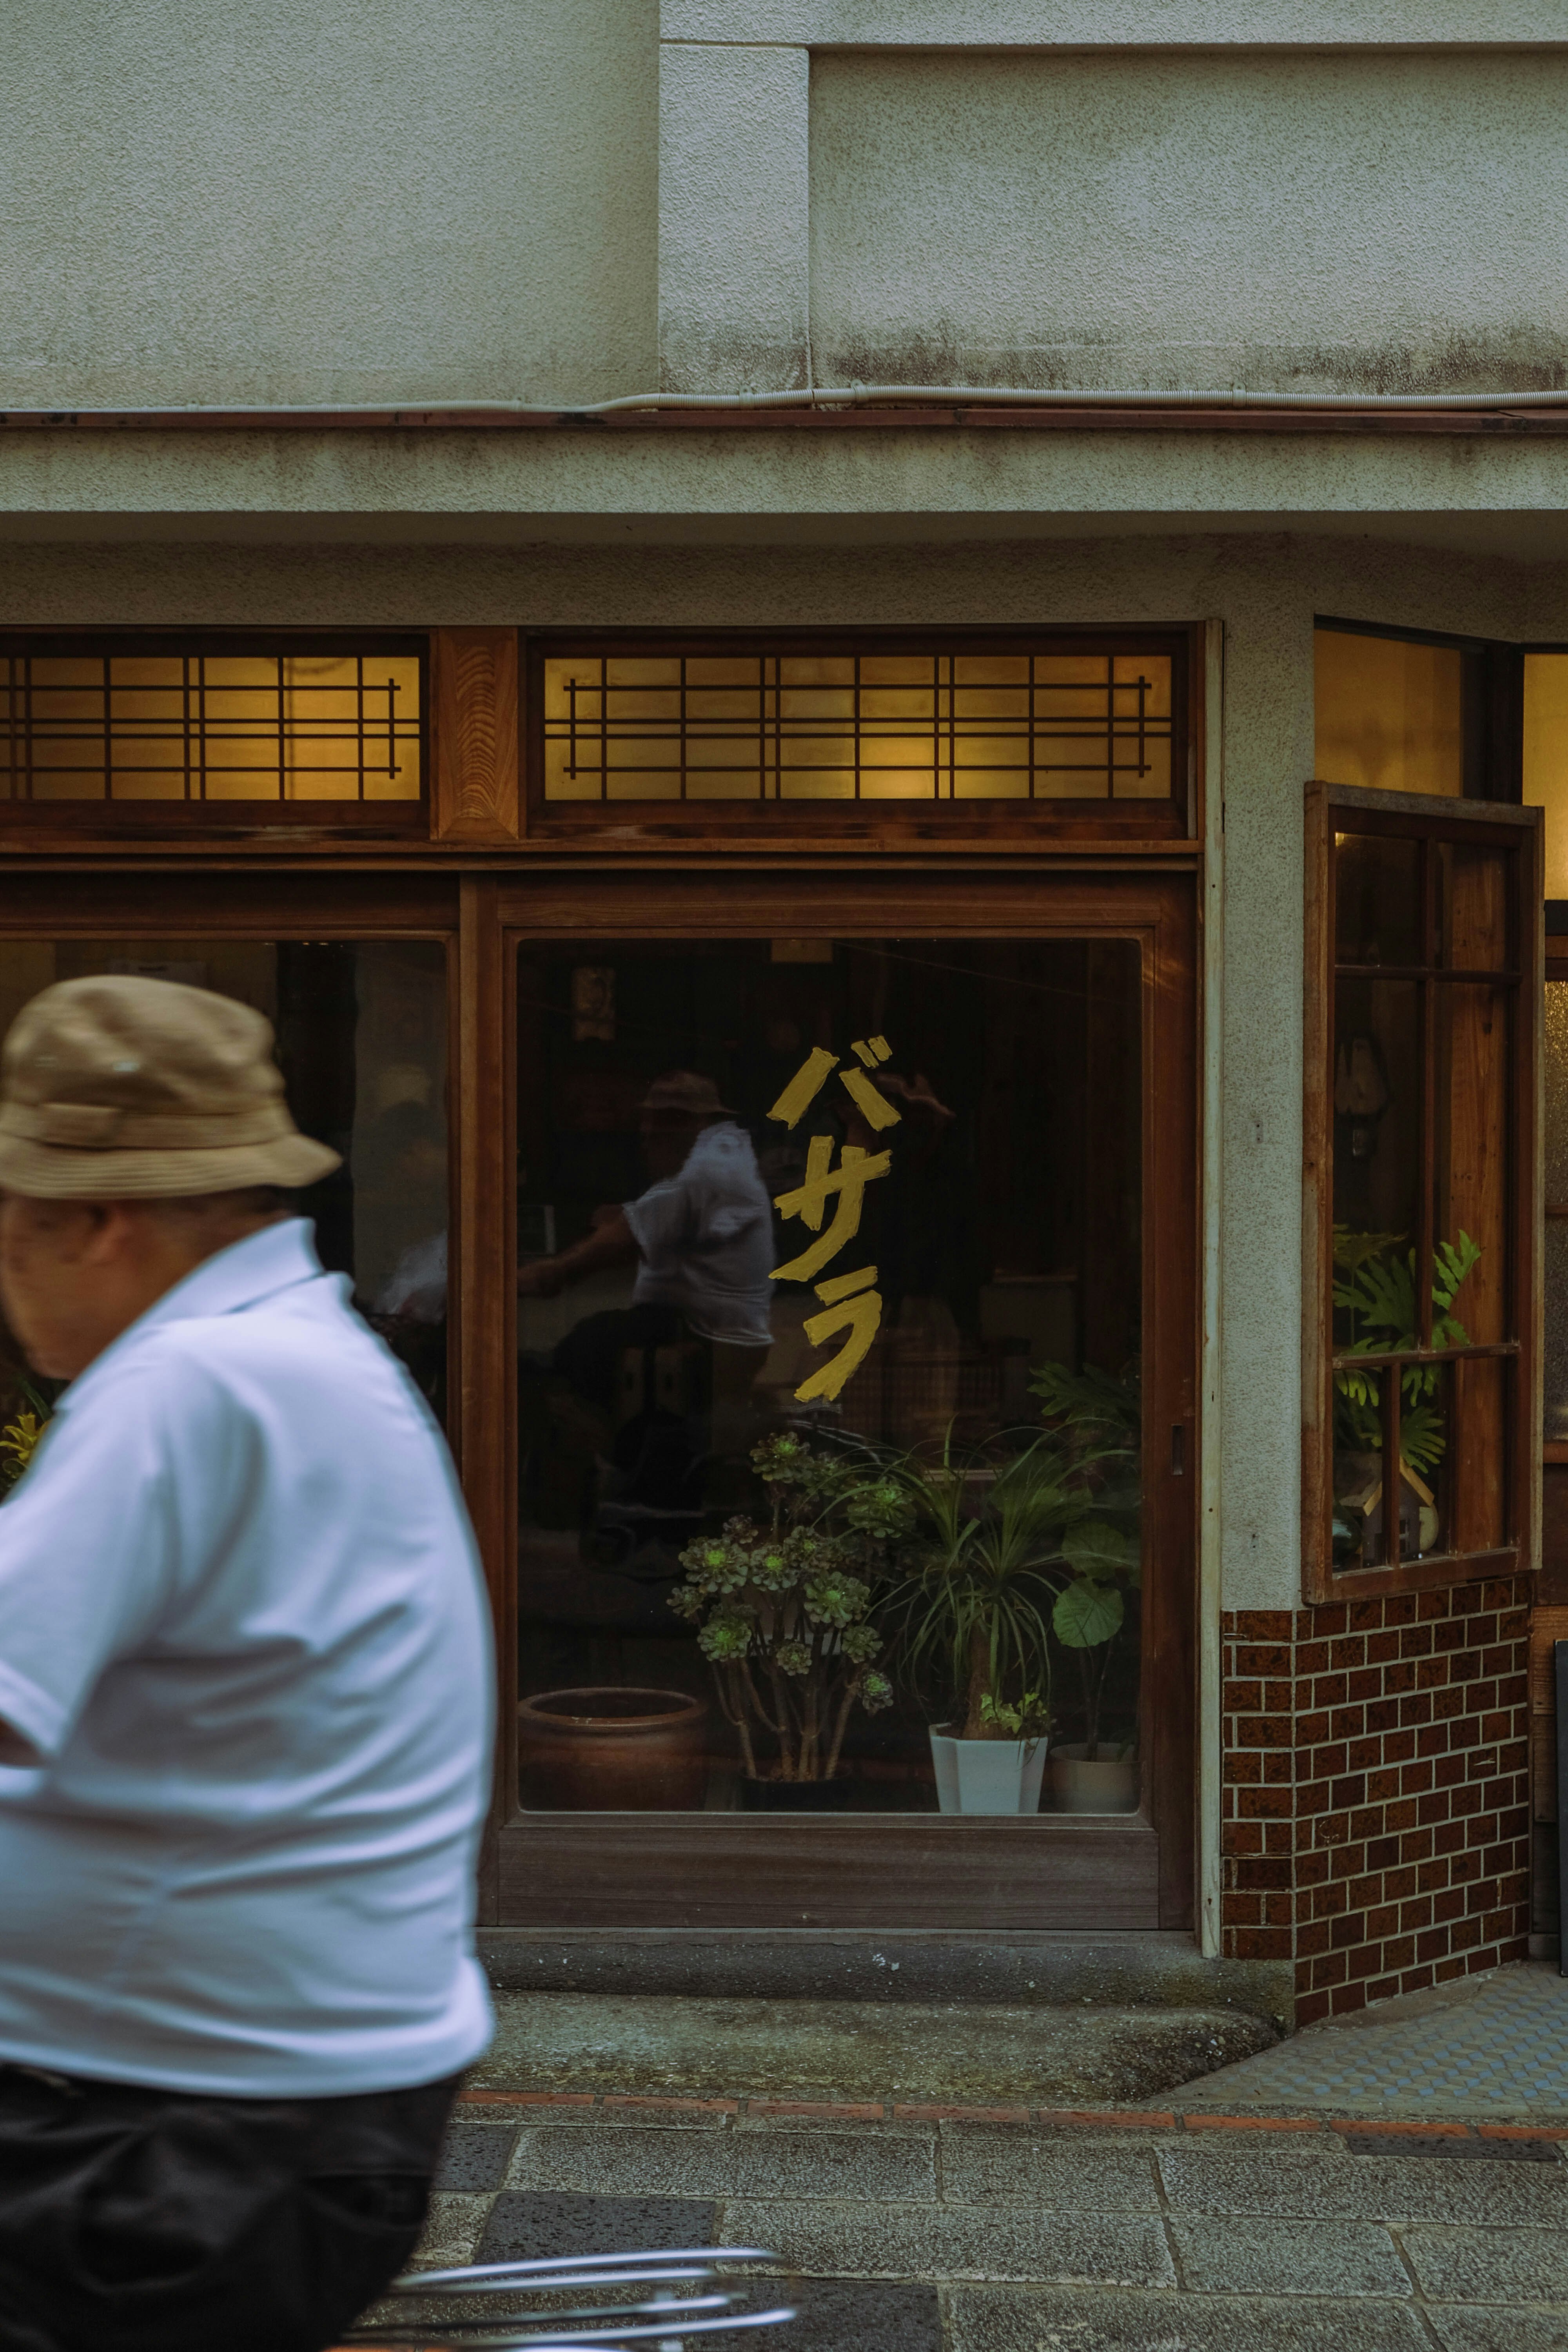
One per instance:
(850,1302)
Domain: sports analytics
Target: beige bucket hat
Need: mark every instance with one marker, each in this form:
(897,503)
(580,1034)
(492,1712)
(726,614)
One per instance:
(117,1088)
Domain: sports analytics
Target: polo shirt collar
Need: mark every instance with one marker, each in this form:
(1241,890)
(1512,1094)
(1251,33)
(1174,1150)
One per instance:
(275,1258)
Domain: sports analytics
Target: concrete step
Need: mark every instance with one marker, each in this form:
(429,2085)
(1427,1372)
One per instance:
(970,2054)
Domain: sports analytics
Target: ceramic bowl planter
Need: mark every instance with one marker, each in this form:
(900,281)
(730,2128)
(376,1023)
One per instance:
(1108,1785)
(614,1751)
(987,1776)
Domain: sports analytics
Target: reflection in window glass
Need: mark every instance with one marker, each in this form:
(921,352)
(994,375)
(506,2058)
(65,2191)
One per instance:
(828,1326)
(1546,758)
(1556,1191)
(1421,1155)
(1389,715)
(361,1030)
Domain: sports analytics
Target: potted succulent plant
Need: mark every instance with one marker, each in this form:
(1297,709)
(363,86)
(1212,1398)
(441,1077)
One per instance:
(784,1611)
(975,1612)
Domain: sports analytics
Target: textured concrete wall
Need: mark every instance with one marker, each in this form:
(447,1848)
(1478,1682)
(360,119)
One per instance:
(733,255)
(1133,24)
(1289,222)
(330,200)
(1266,590)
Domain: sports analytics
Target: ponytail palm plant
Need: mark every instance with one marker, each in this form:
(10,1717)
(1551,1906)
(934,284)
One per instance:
(975,1611)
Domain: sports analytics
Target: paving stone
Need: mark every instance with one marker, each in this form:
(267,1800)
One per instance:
(475,2156)
(452,2230)
(1250,2257)
(625,2161)
(1202,2178)
(1042,2319)
(1490,2265)
(525,2225)
(1469,2327)
(847,2316)
(983,2162)
(834,2164)
(1419,2143)
(912,2241)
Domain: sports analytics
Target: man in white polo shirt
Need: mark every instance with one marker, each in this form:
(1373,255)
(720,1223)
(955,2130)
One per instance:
(244,1671)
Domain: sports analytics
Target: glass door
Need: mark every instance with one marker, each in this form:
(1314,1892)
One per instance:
(834,1297)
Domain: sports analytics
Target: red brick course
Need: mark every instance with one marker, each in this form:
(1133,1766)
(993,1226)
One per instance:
(1375,1824)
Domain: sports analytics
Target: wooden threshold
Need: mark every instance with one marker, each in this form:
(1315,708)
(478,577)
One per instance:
(869,1870)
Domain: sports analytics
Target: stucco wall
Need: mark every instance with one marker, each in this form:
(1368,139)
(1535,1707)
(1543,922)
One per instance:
(1359,221)
(328,200)
(1266,590)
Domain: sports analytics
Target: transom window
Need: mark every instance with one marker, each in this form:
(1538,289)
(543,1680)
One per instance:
(954,722)
(136,720)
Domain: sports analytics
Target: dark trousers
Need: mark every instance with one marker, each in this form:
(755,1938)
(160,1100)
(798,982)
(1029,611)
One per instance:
(146,2220)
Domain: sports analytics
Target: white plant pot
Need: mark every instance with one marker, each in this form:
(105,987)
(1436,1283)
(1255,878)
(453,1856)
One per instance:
(1108,1785)
(987,1776)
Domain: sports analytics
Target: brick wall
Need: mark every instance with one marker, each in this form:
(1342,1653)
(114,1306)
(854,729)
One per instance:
(1376,1813)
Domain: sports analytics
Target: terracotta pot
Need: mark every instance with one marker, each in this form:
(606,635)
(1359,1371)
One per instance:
(612,1751)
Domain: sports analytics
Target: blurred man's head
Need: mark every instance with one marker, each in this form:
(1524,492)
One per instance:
(673,1114)
(142,1128)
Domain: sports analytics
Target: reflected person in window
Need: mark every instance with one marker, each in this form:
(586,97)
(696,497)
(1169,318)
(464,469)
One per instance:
(700,1238)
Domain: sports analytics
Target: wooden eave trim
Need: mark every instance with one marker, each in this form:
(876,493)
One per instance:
(1497,423)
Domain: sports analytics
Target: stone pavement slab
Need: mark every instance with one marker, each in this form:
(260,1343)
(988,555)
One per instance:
(527,2225)
(1059,2320)
(1474,2327)
(619,2161)
(1254,2257)
(1490,2265)
(983,2162)
(1317,2187)
(951,2242)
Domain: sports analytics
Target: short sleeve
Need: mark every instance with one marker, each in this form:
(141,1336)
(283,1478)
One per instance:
(661,1220)
(87,1554)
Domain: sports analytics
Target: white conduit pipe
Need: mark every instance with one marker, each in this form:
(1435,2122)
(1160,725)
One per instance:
(947,395)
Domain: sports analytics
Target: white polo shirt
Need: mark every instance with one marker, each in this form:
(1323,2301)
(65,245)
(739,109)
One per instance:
(241,1620)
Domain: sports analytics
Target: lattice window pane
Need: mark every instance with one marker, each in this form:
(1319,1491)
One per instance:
(926,725)
(197,726)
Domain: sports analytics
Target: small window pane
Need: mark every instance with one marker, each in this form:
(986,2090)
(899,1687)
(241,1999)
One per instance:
(1389,714)
(1377,900)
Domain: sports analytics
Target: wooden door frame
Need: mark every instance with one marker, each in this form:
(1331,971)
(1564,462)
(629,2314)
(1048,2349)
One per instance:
(896,1871)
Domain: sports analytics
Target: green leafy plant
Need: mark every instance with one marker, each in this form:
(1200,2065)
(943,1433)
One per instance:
(1374,1289)
(783,1612)
(1030,1719)
(1102,1411)
(974,1612)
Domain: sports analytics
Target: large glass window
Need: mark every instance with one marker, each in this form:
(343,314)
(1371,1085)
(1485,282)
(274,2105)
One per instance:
(362,1042)
(1426,1254)
(830,1293)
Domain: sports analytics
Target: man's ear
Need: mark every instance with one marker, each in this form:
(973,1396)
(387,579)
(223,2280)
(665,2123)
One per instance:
(98,1233)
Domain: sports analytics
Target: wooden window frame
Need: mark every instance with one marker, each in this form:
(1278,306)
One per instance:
(739,1871)
(1176,823)
(1426,818)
